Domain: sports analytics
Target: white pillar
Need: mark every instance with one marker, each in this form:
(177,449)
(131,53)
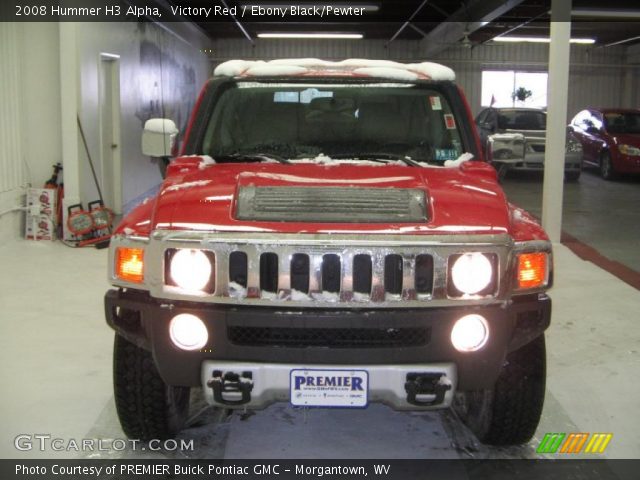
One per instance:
(69,86)
(556,118)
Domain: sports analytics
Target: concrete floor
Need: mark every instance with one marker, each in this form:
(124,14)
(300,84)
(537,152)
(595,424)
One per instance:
(599,213)
(55,370)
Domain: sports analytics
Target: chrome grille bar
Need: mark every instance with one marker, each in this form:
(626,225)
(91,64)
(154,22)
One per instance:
(316,247)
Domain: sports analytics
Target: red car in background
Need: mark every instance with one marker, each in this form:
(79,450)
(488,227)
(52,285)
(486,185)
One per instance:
(610,139)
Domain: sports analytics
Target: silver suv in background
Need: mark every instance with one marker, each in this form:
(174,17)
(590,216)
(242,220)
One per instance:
(514,139)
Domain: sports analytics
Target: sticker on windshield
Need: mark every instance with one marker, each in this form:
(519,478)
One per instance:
(443,154)
(449,121)
(435,103)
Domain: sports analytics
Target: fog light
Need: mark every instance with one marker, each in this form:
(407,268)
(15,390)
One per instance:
(470,333)
(188,332)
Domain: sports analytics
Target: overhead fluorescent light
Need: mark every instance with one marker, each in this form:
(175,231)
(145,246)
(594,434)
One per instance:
(351,36)
(602,13)
(585,41)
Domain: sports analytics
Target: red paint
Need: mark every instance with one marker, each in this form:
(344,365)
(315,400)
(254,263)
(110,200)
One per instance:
(138,221)
(595,144)
(524,226)
(461,200)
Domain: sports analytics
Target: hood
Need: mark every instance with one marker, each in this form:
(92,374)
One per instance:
(341,198)
(632,139)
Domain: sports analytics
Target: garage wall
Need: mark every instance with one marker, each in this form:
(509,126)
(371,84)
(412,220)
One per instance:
(161,71)
(11,167)
(597,75)
(400,50)
(29,114)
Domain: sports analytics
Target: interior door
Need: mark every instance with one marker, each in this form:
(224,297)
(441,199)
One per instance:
(110,152)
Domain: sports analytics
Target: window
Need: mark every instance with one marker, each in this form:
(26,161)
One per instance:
(342,121)
(498,87)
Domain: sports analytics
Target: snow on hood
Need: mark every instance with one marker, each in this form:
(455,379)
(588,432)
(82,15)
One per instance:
(301,66)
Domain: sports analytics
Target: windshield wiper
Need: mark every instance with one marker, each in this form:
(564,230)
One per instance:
(378,157)
(252,156)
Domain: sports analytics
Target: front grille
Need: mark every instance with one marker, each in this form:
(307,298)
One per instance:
(332,276)
(325,270)
(332,204)
(328,337)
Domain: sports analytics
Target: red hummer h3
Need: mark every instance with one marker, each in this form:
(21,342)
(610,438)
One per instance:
(329,237)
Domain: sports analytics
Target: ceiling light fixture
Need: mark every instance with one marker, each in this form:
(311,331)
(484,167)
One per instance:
(349,36)
(584,41)
(599,13)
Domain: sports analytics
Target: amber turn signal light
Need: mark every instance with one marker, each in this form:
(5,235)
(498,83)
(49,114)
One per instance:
(130,264)
(532,270)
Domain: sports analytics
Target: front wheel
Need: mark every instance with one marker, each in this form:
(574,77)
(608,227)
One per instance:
(508,413)
(606,167)
(147,407)
(572,176)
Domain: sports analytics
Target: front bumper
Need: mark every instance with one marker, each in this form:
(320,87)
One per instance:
(534,162)
(387,384)
(304,337)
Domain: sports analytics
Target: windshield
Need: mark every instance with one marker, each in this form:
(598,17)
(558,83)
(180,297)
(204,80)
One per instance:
(288,122)
(522,120)
(622,122)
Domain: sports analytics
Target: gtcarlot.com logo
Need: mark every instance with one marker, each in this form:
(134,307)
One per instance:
(574,443)
(47,442)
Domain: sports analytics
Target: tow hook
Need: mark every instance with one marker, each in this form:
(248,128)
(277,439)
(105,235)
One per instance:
(422,385)
(231,388)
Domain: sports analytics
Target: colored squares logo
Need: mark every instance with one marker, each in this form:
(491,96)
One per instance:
(574,443)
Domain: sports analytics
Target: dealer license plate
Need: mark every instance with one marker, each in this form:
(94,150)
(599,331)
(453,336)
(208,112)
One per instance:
(329,388)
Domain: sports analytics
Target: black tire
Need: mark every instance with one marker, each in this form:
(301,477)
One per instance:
(572,176)
(606,167)
(502,170)
(147,407)
(509,413)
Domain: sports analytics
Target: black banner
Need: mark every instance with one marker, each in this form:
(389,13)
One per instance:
(314,469)
(246,11)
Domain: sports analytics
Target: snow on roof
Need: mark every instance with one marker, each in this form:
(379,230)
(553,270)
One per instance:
(355,66)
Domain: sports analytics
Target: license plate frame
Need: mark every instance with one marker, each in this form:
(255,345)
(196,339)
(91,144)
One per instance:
(338,387)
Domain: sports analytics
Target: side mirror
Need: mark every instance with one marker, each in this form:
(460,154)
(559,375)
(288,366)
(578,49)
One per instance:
(158,137)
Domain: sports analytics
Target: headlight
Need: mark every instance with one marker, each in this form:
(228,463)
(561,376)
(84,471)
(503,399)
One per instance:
(190,269)
(471,273)
(573,146)
(629,150)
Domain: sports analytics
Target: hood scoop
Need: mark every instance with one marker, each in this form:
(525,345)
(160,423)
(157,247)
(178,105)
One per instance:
(331,204)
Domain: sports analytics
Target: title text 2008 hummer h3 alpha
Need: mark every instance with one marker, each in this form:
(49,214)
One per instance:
(329,237)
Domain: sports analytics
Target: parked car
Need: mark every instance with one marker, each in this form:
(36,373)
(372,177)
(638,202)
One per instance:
(329,237)
(610,139)
(514,139)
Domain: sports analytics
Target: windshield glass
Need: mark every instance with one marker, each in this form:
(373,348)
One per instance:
(622,122)
(522,120)
(378,122)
